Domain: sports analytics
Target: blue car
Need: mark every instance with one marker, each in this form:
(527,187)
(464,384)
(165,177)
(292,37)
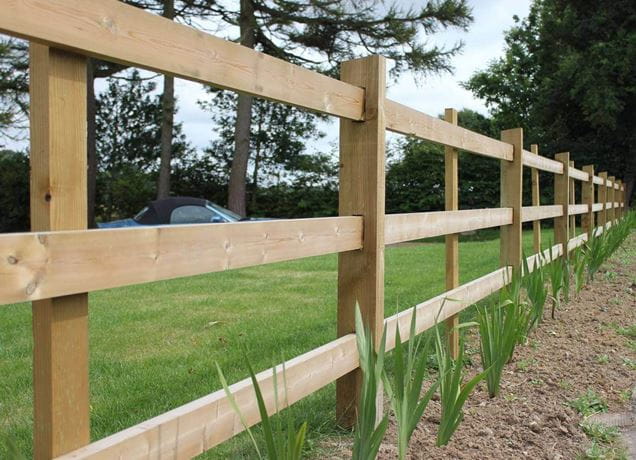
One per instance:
(177,210)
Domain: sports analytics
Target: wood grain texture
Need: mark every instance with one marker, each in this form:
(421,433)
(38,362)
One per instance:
(536,200)
(602,198)
(41,265)
(598,180)
(587,197)
(511,197)
(114,31)
(414,226)
(451,203)
(561,198)
(405,120)
(572,201)
(611,197)
(579,175)
(536,213)
(576,209)
(533,160)
(596,207)
(361,193)
(58,202)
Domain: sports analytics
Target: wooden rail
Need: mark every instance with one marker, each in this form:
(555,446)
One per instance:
(58,263)
(413,226)
(50,264)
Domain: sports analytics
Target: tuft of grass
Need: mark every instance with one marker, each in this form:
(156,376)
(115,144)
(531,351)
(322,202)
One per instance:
(368,435)
(600,452)
(602,359)
(599,432)
(629,331)
(588,403)
(536,291)
(555,273)
(405,386)
(579,262)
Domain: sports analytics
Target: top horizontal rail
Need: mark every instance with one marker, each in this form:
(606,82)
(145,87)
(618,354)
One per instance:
(533,160)
(405,120)
(114,31)
(37,266)
(578,174)
(598,180)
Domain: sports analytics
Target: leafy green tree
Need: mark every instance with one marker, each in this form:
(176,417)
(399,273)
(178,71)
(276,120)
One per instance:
(568,78)
(14,88)
(321,34)
(14,199)
(129,117)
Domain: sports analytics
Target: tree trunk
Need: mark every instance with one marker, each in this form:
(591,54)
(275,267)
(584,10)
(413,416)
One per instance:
(91,146)
(236,188)
(167,121)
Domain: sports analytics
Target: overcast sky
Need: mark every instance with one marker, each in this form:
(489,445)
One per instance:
(483,42)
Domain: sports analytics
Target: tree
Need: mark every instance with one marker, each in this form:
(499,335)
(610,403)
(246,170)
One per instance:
(278,137)
(567,77)
(14,88)
(129,120)
(319,35)
(14,199)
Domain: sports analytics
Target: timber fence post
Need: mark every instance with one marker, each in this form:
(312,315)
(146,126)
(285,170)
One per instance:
(451,195)
(561,197)
(511,191)
(587,197)
(536,201)
(611,193)
(602,198)
(362,185)
(572,200)
(58,202)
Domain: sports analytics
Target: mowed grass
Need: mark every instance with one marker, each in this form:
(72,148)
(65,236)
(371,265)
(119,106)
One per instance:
(153,346)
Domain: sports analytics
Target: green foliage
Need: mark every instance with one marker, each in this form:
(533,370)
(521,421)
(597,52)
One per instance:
(405,386)
(282,440)
(579,259)
(534,283)
(14,89)
(555,273)
(453,394)
(588,403)
(600,432)
(566,271)
(14,199)
(598,451)
(368,436)
(567,78)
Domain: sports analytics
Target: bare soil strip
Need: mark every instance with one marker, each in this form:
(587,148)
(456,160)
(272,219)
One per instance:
(580,350)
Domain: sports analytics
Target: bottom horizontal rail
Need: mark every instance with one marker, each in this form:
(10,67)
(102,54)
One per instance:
(206,422)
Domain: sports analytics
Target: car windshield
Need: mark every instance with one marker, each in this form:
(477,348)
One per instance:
(226,212)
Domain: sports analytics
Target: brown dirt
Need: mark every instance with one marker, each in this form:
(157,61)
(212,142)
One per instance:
(531,418)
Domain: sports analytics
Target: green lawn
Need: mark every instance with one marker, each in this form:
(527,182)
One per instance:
(153,346)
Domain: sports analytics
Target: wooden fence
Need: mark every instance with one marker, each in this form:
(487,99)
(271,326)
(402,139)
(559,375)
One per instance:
(56,264)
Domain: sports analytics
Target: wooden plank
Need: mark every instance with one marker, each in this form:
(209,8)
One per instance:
(561,198)
(619,199)
(536,200)
(577,241)
(445,305)
(511,197)
(602,198)
(535,213)
(414,226)
(596,207)
(611,193)
(575,209)
(196,427)
(597,180)
(405,120)
(58,202)
(361,273)
(533,160)
(451,196)
(572,201)
(113,31)
(587,196)
(579,175)
(546,256)
(40,265)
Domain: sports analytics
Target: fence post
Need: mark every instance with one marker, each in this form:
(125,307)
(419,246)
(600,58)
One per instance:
(561,197)
(587,197)
(451,194)
(611,193)
(58,202)
(572,191)
(511,191)
(602,198)
(536,201)
(361,273)
(621,208)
